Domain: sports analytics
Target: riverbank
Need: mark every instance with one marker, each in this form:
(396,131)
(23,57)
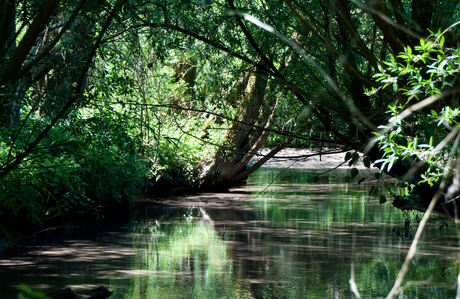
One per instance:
(69,224)
(283,232)
(308,159)
(64,226)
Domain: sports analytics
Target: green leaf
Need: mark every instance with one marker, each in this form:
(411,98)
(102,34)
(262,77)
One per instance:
(409,50)
(367,162)
(382,199)
(348,156)
(354,159)
(31,293)
(393,160)
(354,172)
(441,65)
(393,60)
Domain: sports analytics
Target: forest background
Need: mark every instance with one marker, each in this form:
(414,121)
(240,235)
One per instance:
(104,100)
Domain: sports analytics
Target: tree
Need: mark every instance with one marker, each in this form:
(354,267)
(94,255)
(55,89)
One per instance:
(253,69)
(427,131)
(337,49)
(19,73)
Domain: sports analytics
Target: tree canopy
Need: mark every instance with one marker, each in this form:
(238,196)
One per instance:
(100,97)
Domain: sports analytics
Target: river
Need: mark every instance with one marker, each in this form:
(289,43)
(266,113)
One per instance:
(286,233)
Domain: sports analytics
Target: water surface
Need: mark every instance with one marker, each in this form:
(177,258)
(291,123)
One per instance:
(285,234)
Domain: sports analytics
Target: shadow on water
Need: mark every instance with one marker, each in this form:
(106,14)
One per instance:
(296,238)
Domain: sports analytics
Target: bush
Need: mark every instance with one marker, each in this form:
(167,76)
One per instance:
(82,164)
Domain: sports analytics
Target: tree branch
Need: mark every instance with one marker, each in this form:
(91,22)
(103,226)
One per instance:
(78,93)
(50,46)
(344,14)
(11,72)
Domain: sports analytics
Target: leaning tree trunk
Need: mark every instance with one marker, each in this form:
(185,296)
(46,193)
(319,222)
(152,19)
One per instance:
(245,136)
(11,85)
(19,69)
(8,108)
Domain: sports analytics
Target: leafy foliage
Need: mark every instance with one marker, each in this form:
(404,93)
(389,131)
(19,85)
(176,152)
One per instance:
(103,96)
(82,164)
(428,73)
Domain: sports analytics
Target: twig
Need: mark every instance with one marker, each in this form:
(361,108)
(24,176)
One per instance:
(458,281)
(353,286)
(408,111)
(277,176)
(413,248)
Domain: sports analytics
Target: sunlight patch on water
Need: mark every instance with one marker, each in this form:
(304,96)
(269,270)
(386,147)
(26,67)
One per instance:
(298,236)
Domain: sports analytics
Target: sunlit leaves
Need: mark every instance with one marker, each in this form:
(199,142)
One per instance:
(417,73)
(422,71)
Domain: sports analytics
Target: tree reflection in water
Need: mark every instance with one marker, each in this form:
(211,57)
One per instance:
(293,241)
(297,239)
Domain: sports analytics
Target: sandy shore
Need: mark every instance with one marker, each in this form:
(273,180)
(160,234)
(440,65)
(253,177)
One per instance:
(295,158)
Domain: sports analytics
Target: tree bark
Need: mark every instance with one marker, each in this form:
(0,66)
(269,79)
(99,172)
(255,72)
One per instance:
(11,72)
(79,83)
(381,17)
(422,11)
(242,139)
(7,26)
(344,16)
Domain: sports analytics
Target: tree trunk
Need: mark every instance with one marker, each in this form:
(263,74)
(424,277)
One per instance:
(380,13)
(422,11)
(243,140)
(8,111)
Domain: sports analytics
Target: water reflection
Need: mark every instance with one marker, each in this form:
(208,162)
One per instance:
(296,238)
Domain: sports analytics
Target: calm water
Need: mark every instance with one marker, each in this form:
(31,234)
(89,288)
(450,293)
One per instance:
(286,234)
